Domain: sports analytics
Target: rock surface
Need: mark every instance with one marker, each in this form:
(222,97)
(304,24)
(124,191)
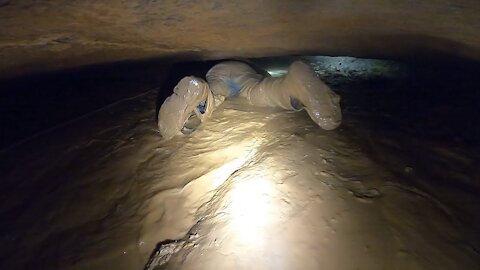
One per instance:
(47,35)
(251,189)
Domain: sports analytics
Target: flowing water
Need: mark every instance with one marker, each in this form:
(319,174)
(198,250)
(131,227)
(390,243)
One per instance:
(253,188)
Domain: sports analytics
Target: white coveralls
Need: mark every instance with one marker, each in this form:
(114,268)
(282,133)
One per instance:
(193,100)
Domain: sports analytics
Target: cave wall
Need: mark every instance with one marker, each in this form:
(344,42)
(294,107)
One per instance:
(48,35)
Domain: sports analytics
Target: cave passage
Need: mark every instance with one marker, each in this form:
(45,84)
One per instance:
(394,187)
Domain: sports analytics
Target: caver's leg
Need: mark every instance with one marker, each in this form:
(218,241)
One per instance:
(190,104)
(299,89)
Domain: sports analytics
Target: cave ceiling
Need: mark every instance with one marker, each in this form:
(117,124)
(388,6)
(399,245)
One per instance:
(48,35)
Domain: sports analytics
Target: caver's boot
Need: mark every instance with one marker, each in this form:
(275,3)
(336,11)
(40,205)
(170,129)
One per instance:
(299,89)
(190,104)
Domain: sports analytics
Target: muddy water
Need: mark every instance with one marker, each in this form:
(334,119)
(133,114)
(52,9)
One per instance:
(252,189)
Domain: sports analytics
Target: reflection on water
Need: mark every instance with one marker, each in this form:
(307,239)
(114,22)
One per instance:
(252,189)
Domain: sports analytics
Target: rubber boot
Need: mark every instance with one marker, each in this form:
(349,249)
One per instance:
(190,104)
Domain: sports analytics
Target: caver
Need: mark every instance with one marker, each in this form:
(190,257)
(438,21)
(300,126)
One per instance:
(194,99)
